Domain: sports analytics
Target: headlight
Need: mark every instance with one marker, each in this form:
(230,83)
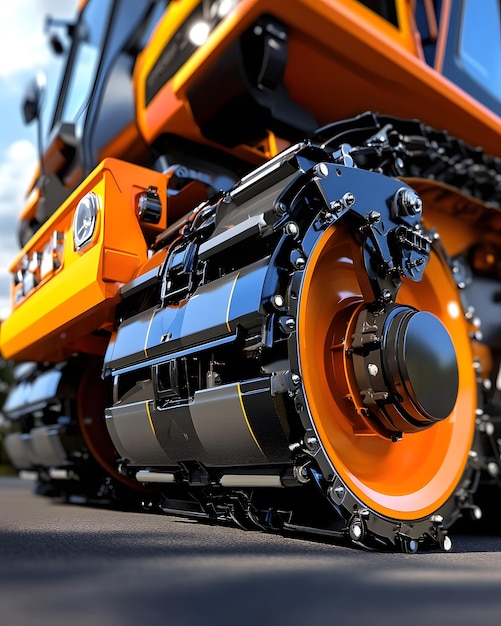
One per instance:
(84,221)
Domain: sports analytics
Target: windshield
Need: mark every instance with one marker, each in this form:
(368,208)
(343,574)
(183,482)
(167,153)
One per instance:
(84,59)
(480,43)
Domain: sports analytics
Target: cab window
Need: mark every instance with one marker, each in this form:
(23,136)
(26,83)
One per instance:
(472,55)
(480,43)
(88,41)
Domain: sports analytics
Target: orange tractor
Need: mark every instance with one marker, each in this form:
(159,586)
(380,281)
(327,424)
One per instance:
(259,275)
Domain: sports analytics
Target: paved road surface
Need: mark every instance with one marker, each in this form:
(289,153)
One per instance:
(70,565)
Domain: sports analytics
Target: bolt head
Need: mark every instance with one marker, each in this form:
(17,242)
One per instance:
(476,512)
(348,199)
(493,468)
(409,202)
(296,379)
(356,531)
(373,217)
(487,384)
(311,442)
(373,369)
(447,543)
(413,546)
(321,170)
(386,295)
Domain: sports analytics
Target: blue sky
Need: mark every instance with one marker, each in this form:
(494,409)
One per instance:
(23,52)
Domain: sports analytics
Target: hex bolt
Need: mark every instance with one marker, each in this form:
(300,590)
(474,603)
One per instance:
(470,312)
(301,473)
(356,530)
(373,369)
(487,428)
(476,512)
(409,202)
(287,324)
(336,494)
(348,199)
(278,301)
(311,441)
(291,228)
(412,546)
(386,295)
(373,217)
(446,543)
(321,170)
(281,208)
(300,263)
(493,468)
(336,206)
(296,379)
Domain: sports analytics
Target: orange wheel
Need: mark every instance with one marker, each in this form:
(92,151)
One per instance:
(93,396)
(410,475)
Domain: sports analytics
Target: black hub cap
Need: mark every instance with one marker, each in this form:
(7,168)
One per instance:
(406,368)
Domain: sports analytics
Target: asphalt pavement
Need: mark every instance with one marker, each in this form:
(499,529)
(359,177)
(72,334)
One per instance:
(65,564)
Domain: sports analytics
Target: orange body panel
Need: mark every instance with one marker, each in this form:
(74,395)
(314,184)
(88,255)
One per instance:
(85,286)
(328,71)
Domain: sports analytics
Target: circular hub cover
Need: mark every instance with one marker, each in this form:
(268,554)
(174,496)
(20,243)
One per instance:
(427,365)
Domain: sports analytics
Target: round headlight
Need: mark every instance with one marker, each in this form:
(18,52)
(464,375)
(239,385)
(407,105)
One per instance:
(84,221)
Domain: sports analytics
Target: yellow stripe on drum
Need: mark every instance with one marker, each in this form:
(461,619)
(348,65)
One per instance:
(244,413)
(150,420)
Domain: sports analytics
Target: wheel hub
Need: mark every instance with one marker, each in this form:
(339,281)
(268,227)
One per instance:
(405,366)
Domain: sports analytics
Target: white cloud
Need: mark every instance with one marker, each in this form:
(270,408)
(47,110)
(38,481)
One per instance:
(17,165)
(23,44)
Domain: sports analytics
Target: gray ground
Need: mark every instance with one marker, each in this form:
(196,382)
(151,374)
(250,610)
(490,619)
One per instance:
(72,565)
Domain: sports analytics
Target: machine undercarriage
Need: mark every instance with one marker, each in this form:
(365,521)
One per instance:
(314,353)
